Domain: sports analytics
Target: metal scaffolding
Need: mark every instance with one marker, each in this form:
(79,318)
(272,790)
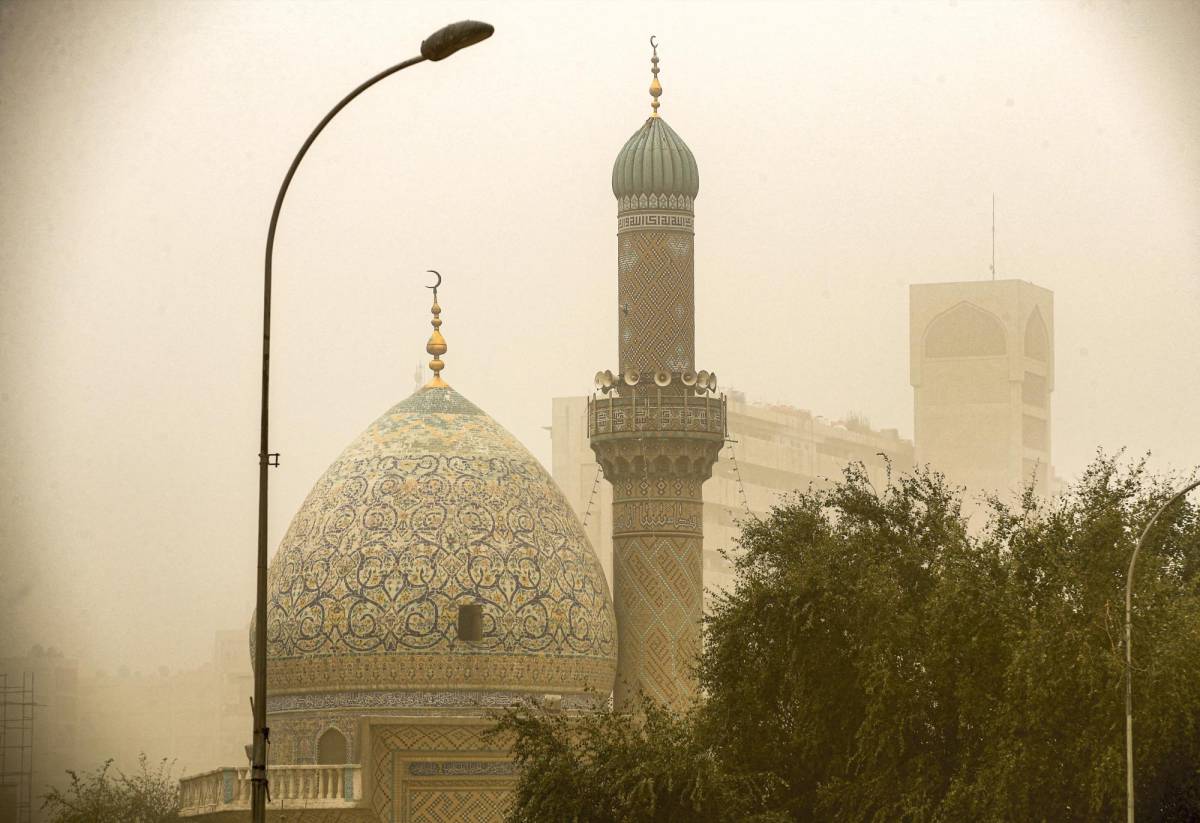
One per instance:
(16,748)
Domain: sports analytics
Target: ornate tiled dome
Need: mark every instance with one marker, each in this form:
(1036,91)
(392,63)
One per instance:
(656,161)
(432,507)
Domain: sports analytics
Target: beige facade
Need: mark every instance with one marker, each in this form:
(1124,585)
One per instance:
(774,449)
(982,371)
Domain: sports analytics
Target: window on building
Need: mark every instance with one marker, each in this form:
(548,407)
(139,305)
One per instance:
(1033,390)
(470,622)
(965,331)
(1034,434)
(331,748)
(1037,338)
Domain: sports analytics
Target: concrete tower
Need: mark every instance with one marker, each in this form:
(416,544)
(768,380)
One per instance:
(656,425)
(982,370)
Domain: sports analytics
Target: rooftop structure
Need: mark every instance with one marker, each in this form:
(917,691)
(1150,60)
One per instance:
(982,371)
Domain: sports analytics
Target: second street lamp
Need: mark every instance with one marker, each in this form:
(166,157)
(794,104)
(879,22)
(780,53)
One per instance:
(1129,810)
(438,46)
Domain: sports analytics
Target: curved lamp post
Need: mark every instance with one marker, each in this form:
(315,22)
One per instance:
(440,45)
(1129,649)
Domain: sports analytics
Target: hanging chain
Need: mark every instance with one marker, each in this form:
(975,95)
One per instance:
(737,473)
(592,497)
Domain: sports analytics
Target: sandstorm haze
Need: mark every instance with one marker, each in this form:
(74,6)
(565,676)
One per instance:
(845,152)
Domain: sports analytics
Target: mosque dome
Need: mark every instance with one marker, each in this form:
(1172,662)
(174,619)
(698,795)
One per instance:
(433,507)
(655,161)
(655,168)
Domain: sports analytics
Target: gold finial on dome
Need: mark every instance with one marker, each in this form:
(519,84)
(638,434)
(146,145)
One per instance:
(437,344)
(655,86)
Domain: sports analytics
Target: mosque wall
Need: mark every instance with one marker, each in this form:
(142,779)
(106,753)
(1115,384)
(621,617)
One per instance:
(437,770)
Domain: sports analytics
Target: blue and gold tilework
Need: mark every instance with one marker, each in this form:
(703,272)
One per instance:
(434,506)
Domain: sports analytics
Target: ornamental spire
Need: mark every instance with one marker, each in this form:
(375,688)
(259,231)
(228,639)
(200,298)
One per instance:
(655,86)
(437,344)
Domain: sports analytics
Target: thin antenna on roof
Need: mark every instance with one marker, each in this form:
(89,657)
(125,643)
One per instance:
(993,235)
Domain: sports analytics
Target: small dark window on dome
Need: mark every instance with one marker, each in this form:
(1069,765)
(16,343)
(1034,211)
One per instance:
(470,622)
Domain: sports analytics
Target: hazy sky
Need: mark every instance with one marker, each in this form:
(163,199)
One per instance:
(845,151)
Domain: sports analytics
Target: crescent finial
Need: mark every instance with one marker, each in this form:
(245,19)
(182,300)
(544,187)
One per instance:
(655,86)
(437,344)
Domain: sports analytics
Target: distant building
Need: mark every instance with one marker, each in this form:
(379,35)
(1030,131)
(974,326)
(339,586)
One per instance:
(56,713)
(982,371)
(84,717)
(234,683)
(193,717)
(775,450)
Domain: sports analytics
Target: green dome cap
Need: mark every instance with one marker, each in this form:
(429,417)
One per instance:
(655,161)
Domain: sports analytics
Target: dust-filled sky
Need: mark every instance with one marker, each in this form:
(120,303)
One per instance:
(845,151)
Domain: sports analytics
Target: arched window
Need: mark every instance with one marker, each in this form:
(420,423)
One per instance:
(331,748)
(964,331)
(1037,339)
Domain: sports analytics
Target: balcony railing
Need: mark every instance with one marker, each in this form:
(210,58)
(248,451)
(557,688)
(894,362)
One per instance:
(292,787)
(675,413)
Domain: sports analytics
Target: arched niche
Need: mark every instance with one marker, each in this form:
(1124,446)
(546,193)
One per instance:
(331,748)
(1037,338)
(965,331)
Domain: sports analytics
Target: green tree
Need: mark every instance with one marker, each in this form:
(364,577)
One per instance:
(106,795)
(876,660)
(644,767)
(1055,748)
(892,666)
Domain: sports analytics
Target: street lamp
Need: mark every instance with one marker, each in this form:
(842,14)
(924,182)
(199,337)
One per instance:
(438,46)
(1129,650)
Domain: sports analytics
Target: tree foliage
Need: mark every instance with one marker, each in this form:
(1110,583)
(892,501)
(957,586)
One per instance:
(644,767)
(878,661)
(106,795)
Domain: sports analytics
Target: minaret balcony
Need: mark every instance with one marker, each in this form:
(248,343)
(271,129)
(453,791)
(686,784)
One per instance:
(656,412)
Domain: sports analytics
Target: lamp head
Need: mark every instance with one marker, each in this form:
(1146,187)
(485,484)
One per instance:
(449,39)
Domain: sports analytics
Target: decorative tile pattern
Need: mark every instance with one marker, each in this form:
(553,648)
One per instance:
(462,768)
(294,739)
(434,506)
(278,704)
(656,301)
(658,587)
(438,805)
(658,580)
(668,221)
(419,740)
(631,202)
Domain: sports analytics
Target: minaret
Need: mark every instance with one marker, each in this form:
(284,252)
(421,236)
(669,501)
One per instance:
(656,425)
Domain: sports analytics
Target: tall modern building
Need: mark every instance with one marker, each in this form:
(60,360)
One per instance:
(982,370)
(656,425)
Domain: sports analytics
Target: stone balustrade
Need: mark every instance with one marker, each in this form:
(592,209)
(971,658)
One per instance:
(292,787)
